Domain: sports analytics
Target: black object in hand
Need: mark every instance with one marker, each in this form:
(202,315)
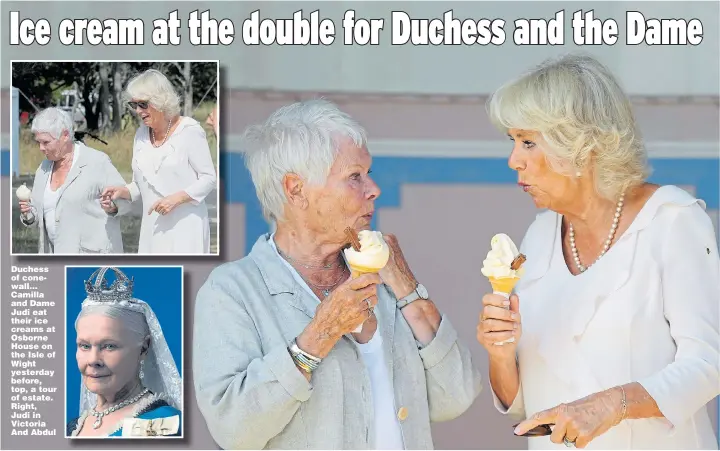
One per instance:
(537,431)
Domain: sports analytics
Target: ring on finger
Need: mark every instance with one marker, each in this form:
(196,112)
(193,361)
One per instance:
(569,443)
(369,304)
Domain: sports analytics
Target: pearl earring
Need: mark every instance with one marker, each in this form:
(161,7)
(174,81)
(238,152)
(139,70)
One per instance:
(578,174)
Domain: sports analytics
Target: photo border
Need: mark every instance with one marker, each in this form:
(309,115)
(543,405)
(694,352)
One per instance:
(11,176)
(183,415)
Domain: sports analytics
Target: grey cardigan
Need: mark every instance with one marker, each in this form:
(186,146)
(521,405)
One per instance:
(83,227)
(253,397)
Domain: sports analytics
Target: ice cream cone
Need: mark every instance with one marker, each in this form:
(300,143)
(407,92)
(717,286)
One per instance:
(357,271)
(503,285)
(503,268)
(23,193)
(368,254)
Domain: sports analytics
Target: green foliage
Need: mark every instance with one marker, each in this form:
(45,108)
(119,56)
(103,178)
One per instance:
(43,84)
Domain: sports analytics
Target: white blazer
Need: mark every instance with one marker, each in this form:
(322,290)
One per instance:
(646,312)
(82,226)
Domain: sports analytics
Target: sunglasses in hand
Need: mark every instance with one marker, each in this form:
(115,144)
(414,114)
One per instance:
(537,431)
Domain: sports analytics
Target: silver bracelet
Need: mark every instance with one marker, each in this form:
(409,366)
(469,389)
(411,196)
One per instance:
(306,361)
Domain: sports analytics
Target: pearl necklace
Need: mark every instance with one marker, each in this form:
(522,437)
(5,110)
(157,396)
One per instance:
(167,132)
(127,402)
(608,242)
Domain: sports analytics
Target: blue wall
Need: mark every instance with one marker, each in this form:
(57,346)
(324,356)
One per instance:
(391,173)
(4,162)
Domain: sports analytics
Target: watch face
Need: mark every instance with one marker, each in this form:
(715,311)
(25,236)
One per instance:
(422,292)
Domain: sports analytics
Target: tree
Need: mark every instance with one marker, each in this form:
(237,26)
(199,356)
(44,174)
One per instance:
(119,74)
(100,86)
(103,100)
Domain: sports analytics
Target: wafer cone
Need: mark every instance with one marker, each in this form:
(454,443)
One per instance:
(503,285)
(357,271)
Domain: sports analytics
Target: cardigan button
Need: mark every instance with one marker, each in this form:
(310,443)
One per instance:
(402,413)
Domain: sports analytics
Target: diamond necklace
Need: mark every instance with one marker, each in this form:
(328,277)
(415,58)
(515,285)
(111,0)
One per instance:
(608,242)
(127,402)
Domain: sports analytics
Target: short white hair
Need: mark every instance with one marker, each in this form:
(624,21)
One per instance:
(302,138)
(583,114)
(154,87)
(53,121)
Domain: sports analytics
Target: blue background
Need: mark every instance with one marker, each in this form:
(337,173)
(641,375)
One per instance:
(159,286)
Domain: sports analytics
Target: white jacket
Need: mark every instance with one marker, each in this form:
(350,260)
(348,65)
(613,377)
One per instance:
(646,312)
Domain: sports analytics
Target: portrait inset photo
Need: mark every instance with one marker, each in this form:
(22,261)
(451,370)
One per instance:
(124,352)
(115,157)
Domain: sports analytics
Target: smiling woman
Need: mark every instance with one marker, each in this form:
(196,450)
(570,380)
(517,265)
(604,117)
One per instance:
(130,385)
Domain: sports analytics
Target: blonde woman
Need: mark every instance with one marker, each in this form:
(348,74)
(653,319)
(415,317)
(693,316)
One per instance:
(173,171)
(616,318)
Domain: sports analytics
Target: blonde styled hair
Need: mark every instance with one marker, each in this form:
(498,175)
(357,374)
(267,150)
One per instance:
(583,115)
(154,87)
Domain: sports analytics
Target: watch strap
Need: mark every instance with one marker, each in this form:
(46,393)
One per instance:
(412,297)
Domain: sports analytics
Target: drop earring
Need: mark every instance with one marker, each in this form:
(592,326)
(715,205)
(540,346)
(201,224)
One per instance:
(142,365)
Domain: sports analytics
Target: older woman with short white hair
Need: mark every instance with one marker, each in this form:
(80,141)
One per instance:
(291,352)
(616,318)
(131,386)
(173,171)
(66,203)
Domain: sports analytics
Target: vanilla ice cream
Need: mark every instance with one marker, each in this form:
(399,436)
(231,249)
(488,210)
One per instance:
(373,255)
(498,268)
(23,193)
(501,255)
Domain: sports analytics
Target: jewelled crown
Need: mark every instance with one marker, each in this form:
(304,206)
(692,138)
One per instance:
(99,289)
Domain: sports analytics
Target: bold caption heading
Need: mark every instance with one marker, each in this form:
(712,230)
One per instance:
(313,29)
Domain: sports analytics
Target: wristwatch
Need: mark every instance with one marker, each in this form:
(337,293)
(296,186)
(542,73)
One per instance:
(418,293)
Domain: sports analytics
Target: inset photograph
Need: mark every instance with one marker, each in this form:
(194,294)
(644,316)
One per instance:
(115,157)
(124,329)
